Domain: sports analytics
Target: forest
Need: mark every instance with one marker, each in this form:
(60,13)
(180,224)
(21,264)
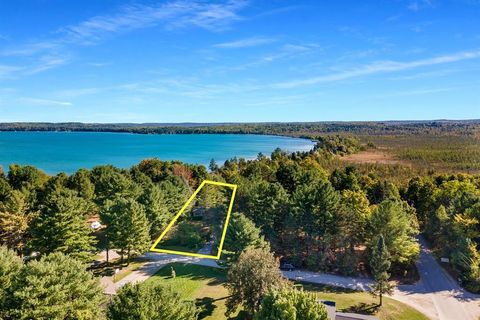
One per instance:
(310,209)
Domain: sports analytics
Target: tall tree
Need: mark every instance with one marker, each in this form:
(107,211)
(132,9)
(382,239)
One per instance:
(265,203)
(57,287)
(61,225)
(147,301)
(15,218)
(315,207)
(110,182)
(26,177)
(156,209)
(255,273)
(127,227)
(398,224)
(380,264)
(352,217)
(81,182)
(10,265)
(241,234)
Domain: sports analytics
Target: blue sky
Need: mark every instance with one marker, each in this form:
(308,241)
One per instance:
(237,61)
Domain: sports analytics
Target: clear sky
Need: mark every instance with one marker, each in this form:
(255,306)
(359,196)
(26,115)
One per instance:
(236,61)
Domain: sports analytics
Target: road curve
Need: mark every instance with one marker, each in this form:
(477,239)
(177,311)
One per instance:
(437,294)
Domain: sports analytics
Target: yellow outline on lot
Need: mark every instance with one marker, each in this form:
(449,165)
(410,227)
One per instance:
(185,206)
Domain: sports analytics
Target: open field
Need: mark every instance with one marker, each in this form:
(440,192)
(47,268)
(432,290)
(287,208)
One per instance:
(443,153)
(374,156)
(205,286)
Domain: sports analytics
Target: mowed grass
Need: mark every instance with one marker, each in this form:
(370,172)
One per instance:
(364,302)
(200,284)
(204,285)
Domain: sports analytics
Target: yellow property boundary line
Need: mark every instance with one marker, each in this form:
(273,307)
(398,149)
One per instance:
(185,206)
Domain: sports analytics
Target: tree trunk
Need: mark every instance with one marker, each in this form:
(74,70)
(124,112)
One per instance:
(381,299)
(106,254)
(128,256)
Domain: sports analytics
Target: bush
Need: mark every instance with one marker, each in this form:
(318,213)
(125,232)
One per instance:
(147,301)
(291,304)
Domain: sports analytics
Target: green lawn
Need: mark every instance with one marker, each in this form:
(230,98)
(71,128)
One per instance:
(205,286)
(363,302)
(198,283)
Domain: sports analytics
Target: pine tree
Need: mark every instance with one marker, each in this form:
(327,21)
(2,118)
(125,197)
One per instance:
(156,209)
(241,234)
(397,222)
(213,166)
(128,227)
(61,225)
(380,264)
(57,287)
(15,218)
(10,265)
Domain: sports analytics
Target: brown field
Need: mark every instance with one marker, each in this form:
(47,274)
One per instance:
(381,156)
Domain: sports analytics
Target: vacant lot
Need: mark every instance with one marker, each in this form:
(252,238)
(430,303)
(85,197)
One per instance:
(205,286)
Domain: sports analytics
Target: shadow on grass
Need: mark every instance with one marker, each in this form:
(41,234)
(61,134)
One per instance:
(363,308)
(108,269)
(194,272)
(324,288)
(206,306)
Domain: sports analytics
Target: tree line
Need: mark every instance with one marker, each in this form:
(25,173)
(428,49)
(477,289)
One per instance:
(295,129)
(288,207)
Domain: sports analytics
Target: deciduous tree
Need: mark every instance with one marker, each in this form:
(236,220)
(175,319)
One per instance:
(291,304)
(255,273)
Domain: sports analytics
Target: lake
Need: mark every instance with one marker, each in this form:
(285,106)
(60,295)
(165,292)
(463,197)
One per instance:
(55,152)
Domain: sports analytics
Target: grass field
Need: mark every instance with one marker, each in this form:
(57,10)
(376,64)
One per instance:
(443,153)
(204,285)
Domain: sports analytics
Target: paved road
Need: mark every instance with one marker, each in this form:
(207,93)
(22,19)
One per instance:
(436,294)
(155,263)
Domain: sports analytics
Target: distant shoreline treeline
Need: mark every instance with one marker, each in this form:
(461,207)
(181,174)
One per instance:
(293,129)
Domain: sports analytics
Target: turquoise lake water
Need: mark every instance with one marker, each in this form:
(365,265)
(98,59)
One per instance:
(55,152)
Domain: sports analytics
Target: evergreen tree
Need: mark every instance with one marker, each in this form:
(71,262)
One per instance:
(10,265)
(146,301)
(61,225)
(156,209)
(80,181)
(241,234)
(265,204)
(127,228)
(110,182)
(15,218)
(398,224)
(213,166)
(352,217)
(380,264)
(57,287)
